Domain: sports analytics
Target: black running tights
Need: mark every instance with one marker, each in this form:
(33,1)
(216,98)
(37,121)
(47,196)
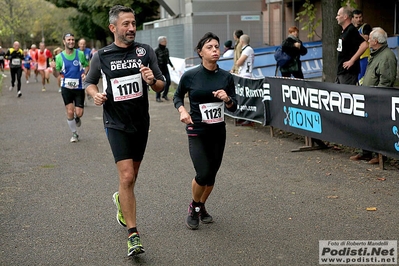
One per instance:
(206,153)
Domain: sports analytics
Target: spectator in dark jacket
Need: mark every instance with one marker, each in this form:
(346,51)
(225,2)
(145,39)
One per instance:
(294,48)
(163,60)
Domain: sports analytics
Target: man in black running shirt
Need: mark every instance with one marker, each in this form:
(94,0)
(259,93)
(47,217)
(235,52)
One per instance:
(127,69)
(350,47)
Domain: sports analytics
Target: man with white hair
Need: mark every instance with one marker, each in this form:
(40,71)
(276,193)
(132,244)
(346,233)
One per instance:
(381,68)
(163,60)
(381,72)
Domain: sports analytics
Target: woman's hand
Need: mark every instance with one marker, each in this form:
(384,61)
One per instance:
(185,117)
(222,95)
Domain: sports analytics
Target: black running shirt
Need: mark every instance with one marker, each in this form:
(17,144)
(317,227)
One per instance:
(127,93)
(205,111)
(348,44)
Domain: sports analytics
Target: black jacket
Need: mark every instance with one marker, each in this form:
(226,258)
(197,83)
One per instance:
(163,57)
(288,47)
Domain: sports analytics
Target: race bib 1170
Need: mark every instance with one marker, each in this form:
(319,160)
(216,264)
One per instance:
(126,88)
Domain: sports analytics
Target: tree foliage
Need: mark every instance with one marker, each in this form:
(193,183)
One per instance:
(330,30)
(92,20)
(31,21)
(308,17)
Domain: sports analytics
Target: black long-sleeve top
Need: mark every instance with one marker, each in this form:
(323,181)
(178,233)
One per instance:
(199,83)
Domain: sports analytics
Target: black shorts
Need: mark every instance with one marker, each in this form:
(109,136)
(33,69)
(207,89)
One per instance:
(73,96)
(126,145)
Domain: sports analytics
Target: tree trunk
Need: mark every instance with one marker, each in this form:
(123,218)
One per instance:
(330,32)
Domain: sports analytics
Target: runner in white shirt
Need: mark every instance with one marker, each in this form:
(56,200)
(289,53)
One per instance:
(246,61)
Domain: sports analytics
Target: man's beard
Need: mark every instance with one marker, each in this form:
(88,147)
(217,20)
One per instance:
(125,40)
(70,48)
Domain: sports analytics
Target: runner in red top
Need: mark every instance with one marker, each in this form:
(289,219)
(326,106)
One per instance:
(33,53)
(42,57)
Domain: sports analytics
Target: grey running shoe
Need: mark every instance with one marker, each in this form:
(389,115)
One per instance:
(19,94)
(134,246)
(75,137)
(192,221)
(11,88)
(205,217)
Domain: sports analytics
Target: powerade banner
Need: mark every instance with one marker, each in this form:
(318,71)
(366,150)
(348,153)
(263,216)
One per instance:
(356,116)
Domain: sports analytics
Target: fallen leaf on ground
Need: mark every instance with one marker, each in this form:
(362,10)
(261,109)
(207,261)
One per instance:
(332,197)
(371,208)
(381,179)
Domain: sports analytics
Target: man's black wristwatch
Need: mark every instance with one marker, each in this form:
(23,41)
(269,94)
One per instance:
(153,82)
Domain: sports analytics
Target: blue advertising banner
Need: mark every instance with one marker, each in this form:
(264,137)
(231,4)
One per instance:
(356,116)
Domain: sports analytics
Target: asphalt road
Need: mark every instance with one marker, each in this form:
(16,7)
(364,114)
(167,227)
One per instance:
(271,206)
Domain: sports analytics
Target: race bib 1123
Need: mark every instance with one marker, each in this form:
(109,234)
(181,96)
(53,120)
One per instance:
(212,113)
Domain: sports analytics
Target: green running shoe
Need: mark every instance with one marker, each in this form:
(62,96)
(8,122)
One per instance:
(119,215)
(134,246)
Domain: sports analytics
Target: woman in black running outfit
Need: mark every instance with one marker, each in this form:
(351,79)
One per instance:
(210,89)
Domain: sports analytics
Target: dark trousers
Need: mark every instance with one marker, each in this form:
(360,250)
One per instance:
(165,91)
(296,74)
(347,78)
(16,73)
